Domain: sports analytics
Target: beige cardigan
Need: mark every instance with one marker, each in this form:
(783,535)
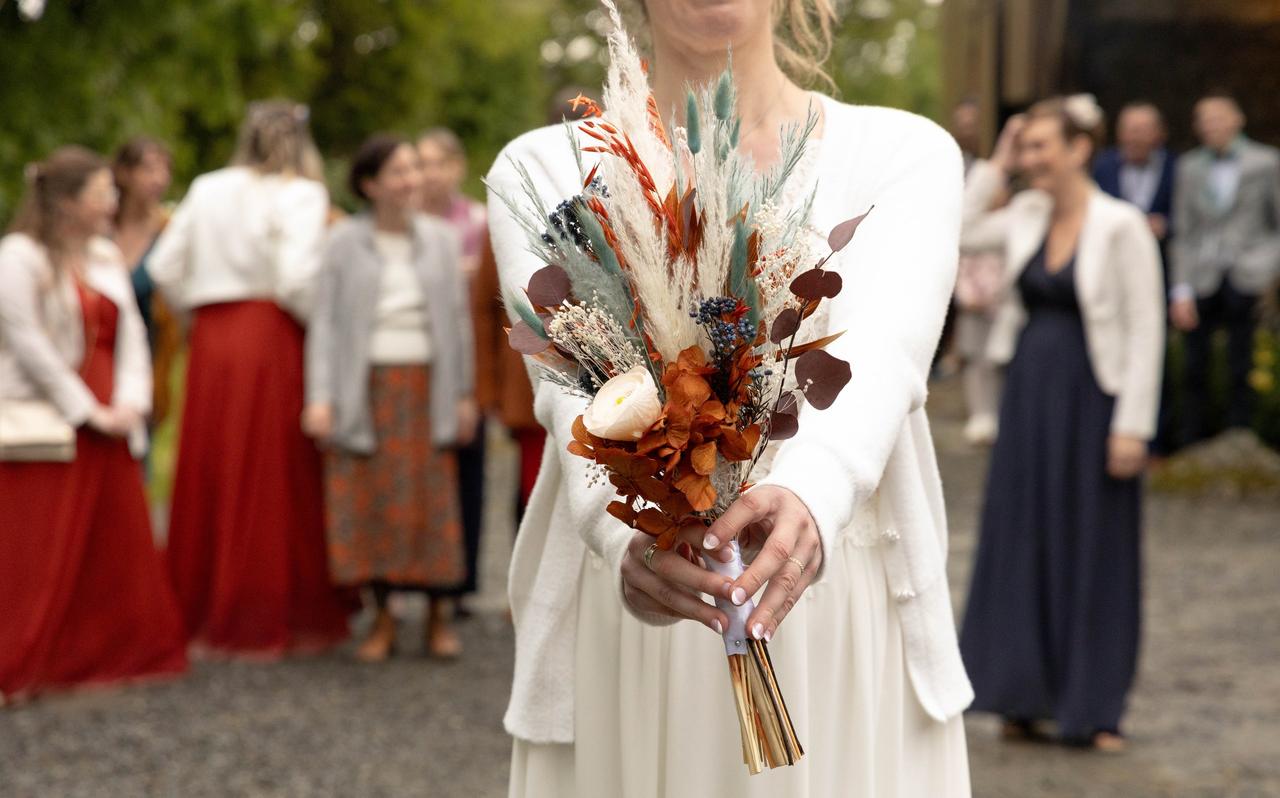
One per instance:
(1117,281)
(42,333)
(870,450)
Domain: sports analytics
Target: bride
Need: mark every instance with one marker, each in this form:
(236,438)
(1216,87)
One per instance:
(612,696)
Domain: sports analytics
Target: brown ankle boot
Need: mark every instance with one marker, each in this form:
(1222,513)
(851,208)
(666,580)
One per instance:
(381,642)
(442,639)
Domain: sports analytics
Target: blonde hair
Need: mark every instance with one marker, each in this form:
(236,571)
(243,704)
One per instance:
(802,35)
(1079,115)
(275,137)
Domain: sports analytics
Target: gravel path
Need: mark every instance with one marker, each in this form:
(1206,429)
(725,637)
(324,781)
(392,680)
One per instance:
(1205,718)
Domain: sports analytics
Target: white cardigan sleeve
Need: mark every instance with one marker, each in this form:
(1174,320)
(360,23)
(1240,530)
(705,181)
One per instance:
(301,211)
(983,229)
(170,258)
(22,265)
(1137,258)
(553,407)
(897,285)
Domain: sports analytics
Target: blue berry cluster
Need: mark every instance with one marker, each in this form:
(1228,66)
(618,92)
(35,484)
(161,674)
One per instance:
(564,221)
(726,336)
(597,188)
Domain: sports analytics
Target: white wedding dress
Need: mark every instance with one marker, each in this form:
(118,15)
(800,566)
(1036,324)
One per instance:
(653,710)
(655,717)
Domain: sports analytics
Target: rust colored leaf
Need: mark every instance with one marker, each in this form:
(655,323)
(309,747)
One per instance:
(698,490)
(704,458)
(711,410)
(548,287)
(652,440)
(580,433)
(679,421)
(783,426)
(842,233)
(691,388)
(739,445)
(627,465)
(524,340)
(809,346)
(821,376)
(785,325)
(581,451)
(655,522)
(692,359)
(653,489)
(623,512)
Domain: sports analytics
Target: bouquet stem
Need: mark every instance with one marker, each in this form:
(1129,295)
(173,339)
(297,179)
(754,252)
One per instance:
(768,735)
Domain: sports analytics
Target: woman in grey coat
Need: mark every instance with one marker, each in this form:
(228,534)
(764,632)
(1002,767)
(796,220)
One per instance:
(389,374)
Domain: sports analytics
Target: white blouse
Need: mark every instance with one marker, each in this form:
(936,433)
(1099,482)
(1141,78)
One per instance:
(399,334)
(240,234)
(871,449)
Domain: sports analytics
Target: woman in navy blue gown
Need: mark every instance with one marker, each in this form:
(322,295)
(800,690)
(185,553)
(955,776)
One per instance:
(1051,629)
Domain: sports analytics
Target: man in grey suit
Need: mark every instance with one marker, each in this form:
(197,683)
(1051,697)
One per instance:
(1226,253)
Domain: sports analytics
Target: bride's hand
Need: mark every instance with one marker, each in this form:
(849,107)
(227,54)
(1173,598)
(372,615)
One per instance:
(670,583)
(790,552)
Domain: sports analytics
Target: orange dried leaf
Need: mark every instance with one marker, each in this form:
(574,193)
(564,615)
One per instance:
(655,522)
(703,458)
(739,445)
(698,490)
(623,512)
(580,433)
(581,450)
(653,489)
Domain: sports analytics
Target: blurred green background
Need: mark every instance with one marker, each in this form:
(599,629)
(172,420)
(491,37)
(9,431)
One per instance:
(95,72)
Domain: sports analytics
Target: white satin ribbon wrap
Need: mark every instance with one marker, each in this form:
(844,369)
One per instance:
(735,635)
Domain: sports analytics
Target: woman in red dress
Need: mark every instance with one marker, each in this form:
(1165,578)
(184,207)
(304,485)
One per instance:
(246,534)
(84,595)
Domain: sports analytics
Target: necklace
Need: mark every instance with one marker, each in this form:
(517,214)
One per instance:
(764,114)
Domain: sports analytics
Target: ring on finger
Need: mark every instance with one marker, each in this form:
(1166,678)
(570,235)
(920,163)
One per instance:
(798,563)
(648,555)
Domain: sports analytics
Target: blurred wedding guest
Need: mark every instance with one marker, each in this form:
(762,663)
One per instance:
(965,327)
(1226,212)
(142,171)
(84,592)
(1051,627)
(389,386)
(444,168)
(966,129)
(246,533)
(979,287)
(1141,170)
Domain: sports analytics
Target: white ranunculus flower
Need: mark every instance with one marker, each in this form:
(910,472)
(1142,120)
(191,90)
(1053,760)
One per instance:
(625,407)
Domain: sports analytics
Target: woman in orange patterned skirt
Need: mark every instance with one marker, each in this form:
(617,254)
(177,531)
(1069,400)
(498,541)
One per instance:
(389,384)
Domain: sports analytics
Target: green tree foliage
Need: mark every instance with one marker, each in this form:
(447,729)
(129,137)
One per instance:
(95,72)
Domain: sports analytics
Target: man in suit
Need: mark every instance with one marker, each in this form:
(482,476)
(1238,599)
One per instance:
(1226,254)
(1141,170)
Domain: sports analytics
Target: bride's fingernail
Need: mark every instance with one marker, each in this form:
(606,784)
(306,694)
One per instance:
(710,541)
(768,636)
(738,597)
(757,631)
(728,590)
(715,624)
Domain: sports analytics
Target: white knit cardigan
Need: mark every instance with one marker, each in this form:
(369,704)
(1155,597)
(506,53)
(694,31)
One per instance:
(872,445)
